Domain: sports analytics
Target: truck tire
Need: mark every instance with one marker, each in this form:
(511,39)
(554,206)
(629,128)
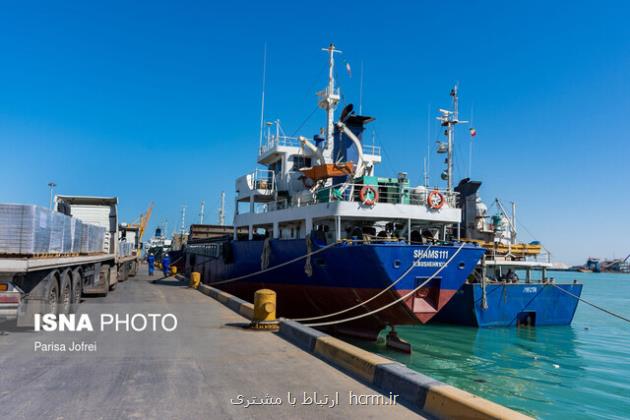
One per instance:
(134,269)
(77,289)
(51,298)
(123,273)
(65,292)
(113,283)
(105,272)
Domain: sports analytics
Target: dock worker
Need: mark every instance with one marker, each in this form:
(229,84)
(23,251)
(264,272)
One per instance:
(151,263)
(166,265)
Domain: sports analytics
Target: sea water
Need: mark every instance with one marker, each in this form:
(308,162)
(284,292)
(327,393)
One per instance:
(577,371)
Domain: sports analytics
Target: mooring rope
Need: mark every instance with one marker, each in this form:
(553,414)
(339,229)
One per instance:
(590,303)
(402,276)
(322,324)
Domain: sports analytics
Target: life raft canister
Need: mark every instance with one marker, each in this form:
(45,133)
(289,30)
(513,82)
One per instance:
(368,195)
(435,200)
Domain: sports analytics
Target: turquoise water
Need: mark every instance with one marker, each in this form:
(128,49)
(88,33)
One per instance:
(578,371)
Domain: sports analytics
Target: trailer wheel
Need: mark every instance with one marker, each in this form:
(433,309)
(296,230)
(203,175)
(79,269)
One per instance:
(134,269)
(51,299)
(123,272)
(77,285)
(105,273)
(112,286)
(65,292)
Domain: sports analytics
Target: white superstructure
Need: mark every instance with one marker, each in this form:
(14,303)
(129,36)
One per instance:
(328,184)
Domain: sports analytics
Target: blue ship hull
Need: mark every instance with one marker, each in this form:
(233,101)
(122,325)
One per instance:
(511,304)
(342,276)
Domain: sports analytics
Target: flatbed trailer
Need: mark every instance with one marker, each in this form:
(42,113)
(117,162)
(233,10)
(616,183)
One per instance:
(52,285)
(30,285)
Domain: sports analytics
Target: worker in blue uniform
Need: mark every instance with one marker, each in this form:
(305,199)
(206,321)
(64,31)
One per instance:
(166,265)
(151,263)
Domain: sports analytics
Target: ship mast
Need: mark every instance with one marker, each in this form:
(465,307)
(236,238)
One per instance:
(329,100)
(449,119)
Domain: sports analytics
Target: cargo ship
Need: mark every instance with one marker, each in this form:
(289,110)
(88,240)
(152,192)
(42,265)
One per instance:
(318,226)
(511,285)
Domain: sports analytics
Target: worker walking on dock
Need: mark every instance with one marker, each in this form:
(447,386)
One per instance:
(151,263)
(166,265)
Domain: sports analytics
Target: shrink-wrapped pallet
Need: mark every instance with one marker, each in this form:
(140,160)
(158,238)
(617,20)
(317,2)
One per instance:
(125,249)
(33,230)
(66,237)
(85,238)
(76,228)
(97,238)
(56,232)
(24,229)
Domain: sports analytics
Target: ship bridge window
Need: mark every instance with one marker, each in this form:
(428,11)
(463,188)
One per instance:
(276,167)
(300,162)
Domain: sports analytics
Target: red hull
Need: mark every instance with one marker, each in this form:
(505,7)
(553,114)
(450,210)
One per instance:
(311,301)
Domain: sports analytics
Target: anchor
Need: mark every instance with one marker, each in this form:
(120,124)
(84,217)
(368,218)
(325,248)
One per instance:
(393,341)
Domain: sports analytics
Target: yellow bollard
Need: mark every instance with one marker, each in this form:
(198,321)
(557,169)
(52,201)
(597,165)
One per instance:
(195,279)
(173,270)
(264,310)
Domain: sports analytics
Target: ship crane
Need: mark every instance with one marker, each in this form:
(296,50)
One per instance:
(144,220)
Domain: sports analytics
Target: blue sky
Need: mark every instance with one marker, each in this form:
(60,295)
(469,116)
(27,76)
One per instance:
(157,101)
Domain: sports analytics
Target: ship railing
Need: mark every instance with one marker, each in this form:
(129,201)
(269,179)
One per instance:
(386,194)
(264,179)
(342,192)
(278,140)
(369,149)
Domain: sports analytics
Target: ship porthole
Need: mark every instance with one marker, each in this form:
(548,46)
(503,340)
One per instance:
(396,263)
(461,266)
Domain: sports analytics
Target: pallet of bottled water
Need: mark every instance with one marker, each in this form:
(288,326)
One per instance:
(35,230)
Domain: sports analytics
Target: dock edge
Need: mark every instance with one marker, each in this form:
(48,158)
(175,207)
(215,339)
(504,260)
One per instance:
(418,391)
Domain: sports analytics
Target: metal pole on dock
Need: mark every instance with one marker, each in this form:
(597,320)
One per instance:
(202,212)
(51,186)
(222,209)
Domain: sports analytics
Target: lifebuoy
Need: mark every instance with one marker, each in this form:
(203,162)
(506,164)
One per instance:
(435,199)
(368,195)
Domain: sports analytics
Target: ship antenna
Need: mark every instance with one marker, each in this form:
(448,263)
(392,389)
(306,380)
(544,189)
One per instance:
(183,225)
(329,100)
(262,101)
(427,159)
(449,119)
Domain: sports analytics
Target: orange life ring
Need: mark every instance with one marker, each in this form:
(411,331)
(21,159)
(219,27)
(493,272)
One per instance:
(435,200)
(365,199)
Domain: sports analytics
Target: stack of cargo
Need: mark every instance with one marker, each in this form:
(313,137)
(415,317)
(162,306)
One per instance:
(55,226)
(92,238)
(32,230)
(125,249)
(66,237)
(76,228)
(24,229)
